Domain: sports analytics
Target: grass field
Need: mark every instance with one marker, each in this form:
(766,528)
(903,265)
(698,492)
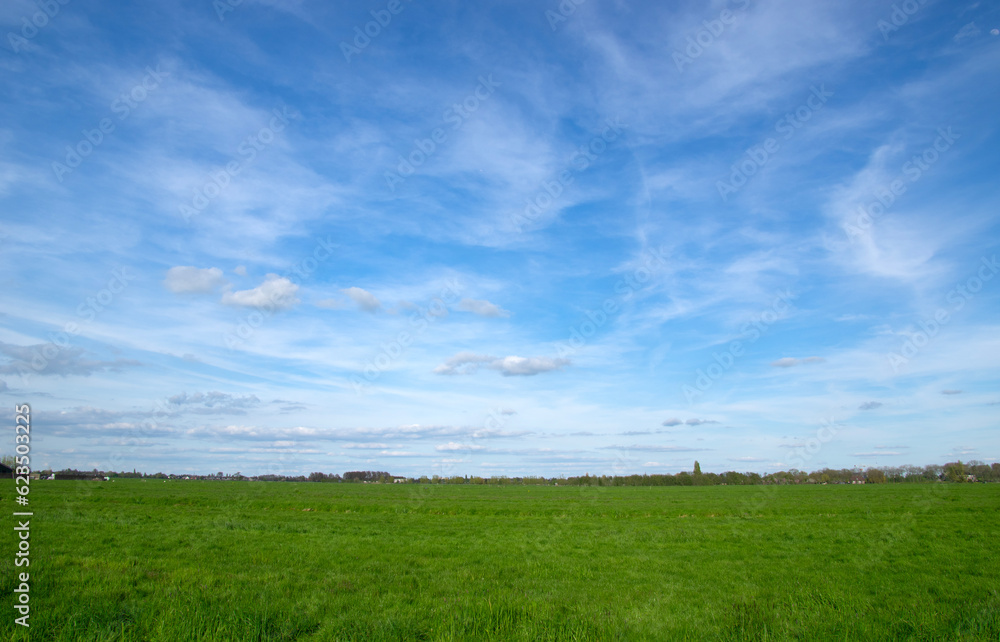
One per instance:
(190,560)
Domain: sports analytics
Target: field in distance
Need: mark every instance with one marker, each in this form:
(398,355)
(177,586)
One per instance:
(192,560)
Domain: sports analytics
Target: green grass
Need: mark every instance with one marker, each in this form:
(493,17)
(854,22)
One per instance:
(188,560)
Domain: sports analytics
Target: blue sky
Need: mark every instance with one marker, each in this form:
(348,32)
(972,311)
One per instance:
(513,238)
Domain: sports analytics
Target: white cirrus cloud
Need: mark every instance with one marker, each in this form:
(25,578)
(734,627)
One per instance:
(698,422)
(967,32)
(365,299)
(789,362)
(483,308)
(275,292)
(656,448)
(189,279)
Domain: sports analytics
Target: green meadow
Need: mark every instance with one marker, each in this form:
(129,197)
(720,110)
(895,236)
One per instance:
(194,560)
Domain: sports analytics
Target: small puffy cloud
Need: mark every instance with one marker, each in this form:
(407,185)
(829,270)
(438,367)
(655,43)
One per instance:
(512,366)
(241,270)
(482,307)
(508,411)
(453,446)
(527,366)
(275,292)
(673,421)
(951,392)
(186,278)
(463,363)
(789,362)
(365,299)
(214,403)
(870,405)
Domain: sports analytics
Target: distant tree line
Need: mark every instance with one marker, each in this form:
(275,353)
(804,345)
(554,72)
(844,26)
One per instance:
(367,476)
(955,472)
